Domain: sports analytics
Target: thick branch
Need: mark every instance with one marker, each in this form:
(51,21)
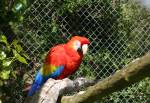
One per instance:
(52,89)
(132,73)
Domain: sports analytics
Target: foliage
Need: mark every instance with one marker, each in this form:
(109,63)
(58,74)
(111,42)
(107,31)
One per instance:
(9,56)
(12,10)
(11,52)
(139,93)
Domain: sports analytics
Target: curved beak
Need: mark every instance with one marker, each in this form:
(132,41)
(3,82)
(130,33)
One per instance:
(84,48)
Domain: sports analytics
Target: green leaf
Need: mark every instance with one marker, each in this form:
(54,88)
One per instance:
(2,55)
(26,56)
(17,46)
(5,74)
(15,52)
(8,47)
(1,84)
(3,39)
(18,7)
(24,2)
(7,63)
(19,57)
(22,59)
(13,73)
(15,42)
(21,18)
(54,29)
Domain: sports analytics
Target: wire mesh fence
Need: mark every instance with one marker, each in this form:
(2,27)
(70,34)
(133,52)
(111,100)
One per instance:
(119,31)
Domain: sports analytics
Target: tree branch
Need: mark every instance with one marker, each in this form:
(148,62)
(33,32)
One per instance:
(132,73)
(52,89)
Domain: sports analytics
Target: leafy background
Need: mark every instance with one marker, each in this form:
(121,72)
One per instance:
(118,30)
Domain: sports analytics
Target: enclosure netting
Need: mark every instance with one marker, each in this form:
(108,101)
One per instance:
(119,31)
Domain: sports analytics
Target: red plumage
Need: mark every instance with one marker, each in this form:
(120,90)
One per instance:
(64,54)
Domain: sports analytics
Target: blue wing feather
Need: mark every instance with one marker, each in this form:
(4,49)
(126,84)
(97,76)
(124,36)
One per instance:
(40,79)
(57,72)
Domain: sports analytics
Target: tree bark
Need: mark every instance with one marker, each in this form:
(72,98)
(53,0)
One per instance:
(132,73)
(52,89)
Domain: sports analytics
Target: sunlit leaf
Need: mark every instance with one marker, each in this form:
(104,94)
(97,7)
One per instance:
(5,74)
(3,39)
(19,57)
(2,55)
(54,29)
(6,63)
(18,6)
(15,42)
(26,56)
(15,52)
(17,47)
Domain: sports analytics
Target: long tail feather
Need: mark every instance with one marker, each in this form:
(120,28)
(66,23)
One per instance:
(39,80)
(33,89)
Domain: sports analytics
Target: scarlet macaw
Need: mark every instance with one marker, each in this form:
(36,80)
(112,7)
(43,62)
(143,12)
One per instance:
(61,61)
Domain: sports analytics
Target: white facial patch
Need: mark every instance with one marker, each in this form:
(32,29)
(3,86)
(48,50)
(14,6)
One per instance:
(77,45)
(84,48)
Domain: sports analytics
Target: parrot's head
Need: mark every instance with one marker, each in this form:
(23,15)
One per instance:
(80,44)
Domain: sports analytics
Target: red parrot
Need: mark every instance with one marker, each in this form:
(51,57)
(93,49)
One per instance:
(61,61)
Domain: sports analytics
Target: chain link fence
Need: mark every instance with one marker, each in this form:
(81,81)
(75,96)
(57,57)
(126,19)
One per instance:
(119,31)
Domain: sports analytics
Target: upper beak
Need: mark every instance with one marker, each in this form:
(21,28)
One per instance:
(84,48)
